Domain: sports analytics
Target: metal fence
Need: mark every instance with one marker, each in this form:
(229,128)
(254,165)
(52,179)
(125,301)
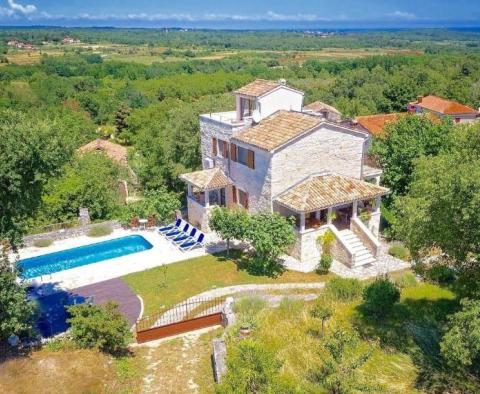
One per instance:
(182,312)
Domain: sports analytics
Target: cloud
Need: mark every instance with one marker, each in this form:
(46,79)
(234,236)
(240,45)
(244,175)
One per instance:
(402,15)
(19,8)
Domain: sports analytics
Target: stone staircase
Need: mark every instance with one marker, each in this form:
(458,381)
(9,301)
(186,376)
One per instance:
(362,255)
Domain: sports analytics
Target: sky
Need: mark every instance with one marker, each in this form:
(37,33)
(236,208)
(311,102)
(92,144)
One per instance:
(242,14)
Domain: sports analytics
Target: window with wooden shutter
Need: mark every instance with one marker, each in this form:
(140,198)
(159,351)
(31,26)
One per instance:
(251,159)
(234,194)
(233,152)
(214,147)
(243,198)
(225,149)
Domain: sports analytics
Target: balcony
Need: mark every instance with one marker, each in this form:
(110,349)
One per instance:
(228,118)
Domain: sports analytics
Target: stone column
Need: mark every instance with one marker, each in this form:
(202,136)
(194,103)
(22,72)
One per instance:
(207,198)
(354,209)
(302,222)
(378,203)
(329,215)
(317,215)
(238,101)
(228,312)
(377,180)
(189,190)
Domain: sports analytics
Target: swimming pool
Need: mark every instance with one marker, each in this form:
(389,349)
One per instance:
(66,259)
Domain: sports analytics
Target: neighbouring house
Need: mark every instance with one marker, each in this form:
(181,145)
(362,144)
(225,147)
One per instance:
(325,110)
(69,40)
(20,45)
(117,153)
(442,107)
(270,154)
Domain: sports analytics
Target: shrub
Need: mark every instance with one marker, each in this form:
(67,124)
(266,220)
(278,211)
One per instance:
(440,273)
(406,280)
(379,297)
(43,243)
(324,265)
(101,327)
(399,251)
(344,289)
(100,230)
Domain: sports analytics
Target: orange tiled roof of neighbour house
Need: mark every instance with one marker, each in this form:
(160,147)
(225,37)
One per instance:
(113,151)
(319,106)
(277,129)
(259,87)
(323,191)
(375,124)
(444,106)
(210,179)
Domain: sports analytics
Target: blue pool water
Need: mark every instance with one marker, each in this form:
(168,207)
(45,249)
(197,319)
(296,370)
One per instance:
(59,261)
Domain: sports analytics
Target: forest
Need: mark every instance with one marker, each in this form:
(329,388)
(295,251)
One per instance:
(51,107)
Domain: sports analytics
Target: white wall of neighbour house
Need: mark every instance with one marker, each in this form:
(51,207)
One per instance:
(325,149)
(464,118)
(279,99)
(256,182)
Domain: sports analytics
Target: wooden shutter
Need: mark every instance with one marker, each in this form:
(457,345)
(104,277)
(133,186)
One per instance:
(233,152)
(251,159)
(234,194)
(214,146)
(225,149)
(246,199)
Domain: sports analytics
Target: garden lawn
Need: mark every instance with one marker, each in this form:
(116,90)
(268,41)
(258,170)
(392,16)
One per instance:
(163,287)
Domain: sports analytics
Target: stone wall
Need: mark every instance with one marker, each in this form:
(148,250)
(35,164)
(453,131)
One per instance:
(374,223)
(339,251)
(58,235)
(306,248)
(198,215)
(324,150)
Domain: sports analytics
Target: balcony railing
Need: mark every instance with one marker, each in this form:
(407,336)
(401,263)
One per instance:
(229,118)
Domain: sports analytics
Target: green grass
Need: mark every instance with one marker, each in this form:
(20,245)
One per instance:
(100,230)
(163,287)
(43,243)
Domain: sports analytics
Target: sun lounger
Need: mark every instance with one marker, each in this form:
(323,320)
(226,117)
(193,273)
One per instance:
(185,237)
(177,231)
(191,244)
(170,227)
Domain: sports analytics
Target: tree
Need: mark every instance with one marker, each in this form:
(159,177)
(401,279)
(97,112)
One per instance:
(379,297)
(460,345)
(271,235)
(31,151)
(16,313)
(89,181)
(408,139)
(252,368)
(101,327)
(229,224)
(342,356)
(323,313)
(442,205)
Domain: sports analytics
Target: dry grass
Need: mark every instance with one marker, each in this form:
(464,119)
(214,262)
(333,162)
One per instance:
(66,371)
(188,278)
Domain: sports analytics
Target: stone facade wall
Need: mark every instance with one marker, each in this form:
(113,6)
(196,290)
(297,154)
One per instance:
(58,235)
(374,223)
(361,233)
(325,149)
(306,247)
(198,215)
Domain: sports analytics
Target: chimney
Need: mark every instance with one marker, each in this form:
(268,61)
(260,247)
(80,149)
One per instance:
(419,99)
(282,81)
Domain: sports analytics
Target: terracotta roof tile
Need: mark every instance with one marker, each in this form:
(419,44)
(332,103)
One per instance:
(444,106)
(319,106)
(259,87)
(375,124)
(213,178)
(278,129)
(323,191)
(113,151)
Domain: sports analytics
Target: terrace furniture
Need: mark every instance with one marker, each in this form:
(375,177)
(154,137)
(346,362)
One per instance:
(170,227)
(185,237)
(152,222)
(177,231)
(192,243)
(134,223)
(143,223)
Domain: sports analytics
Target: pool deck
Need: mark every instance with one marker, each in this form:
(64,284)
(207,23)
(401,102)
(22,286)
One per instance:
(114,290)
(163,252)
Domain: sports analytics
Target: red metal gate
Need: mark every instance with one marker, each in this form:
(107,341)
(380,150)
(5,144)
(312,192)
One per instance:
(188,316)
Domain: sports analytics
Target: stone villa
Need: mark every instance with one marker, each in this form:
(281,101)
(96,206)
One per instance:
(273,154)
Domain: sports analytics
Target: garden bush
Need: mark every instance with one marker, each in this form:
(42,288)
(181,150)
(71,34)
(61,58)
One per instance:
(100,230)
(344,289)
(379,297)
(324,265)
(440,273)
(43,243)
(399,251)
(101,327)
(406,280)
